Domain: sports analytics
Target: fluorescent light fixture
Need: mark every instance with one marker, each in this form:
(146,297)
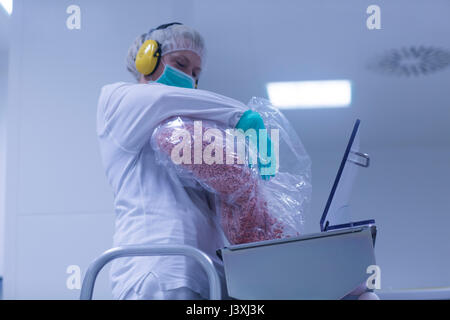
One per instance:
(310,94)
(7,5)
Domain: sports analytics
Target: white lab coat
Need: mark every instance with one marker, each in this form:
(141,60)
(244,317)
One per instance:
(151,205)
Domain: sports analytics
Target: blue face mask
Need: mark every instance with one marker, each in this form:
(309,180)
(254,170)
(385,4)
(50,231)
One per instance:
(174,77)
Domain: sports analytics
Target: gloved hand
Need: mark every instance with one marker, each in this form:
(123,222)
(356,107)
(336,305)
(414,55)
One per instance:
(253,120)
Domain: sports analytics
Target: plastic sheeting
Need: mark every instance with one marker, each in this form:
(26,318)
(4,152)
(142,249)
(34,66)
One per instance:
(218,159)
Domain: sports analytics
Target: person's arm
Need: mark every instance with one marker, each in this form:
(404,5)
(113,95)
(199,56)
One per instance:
(244,213)
(132,111)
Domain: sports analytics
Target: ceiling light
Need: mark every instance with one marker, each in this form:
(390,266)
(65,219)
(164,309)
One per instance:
(310,94)
(7,5)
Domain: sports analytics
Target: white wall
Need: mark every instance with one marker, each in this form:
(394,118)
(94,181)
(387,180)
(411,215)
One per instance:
(406,190)
(4,47)
(3,101)
(59,206)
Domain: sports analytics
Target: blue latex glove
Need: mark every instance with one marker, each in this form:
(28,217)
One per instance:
(253,120)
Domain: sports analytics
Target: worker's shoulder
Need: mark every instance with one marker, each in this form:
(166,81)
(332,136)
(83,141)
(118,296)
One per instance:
(123,88)
(108,89)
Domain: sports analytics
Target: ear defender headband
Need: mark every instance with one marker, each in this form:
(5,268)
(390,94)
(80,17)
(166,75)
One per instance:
(149,55)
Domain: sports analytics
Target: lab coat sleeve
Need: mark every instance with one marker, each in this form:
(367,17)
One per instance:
(132,111)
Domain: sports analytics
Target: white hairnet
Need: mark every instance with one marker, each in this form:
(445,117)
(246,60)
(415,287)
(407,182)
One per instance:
(173,38)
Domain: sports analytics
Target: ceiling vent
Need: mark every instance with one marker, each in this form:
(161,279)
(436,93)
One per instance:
(411,61)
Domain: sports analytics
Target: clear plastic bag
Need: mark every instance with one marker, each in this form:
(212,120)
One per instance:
(249,209)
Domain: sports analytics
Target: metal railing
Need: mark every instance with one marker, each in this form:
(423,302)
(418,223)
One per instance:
(97,265)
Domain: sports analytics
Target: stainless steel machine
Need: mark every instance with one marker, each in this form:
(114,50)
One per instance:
(324,265)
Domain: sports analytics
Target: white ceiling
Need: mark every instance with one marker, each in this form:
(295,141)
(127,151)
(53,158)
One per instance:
(252,43)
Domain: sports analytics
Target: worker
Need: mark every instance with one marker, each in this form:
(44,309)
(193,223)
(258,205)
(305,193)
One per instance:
(151,204)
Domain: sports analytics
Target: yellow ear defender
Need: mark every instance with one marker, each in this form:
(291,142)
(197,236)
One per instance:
(148,57)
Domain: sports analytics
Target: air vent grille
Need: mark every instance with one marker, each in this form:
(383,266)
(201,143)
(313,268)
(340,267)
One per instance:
(411,61)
